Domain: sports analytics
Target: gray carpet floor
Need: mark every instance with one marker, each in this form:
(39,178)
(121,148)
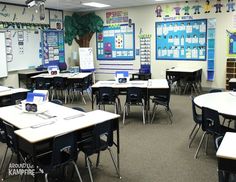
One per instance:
(155,152)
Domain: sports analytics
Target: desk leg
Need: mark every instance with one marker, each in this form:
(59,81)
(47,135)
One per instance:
(92,98)
(118,148)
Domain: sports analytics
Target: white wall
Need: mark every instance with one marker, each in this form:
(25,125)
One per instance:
(144,17)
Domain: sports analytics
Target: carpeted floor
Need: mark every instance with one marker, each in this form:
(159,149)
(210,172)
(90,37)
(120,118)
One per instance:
(155,152)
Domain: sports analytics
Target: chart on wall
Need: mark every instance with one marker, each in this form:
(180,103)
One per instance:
(231,43)
(116,43)
(53,51)
(181,40)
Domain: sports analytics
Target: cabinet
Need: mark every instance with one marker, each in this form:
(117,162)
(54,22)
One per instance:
(230,71)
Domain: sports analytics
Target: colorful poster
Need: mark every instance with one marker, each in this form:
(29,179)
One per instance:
(117,16)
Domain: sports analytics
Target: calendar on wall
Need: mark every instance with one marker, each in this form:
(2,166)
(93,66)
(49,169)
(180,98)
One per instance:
(116,43)
(181,40)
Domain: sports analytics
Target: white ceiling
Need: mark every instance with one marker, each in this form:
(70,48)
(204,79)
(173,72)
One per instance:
(76,5)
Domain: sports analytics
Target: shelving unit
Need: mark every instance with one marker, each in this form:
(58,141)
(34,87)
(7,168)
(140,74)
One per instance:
(145,53)
(230,71)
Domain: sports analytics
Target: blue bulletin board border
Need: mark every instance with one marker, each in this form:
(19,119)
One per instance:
(183,58)
(132,57)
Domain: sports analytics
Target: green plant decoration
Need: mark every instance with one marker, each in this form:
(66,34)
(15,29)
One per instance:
(81,27)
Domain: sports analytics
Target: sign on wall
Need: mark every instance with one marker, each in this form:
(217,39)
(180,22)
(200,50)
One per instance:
(181,40)
(116,43)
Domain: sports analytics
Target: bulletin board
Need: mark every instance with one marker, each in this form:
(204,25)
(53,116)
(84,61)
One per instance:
(231,44)
(181,40)
(53,51)
(116,43)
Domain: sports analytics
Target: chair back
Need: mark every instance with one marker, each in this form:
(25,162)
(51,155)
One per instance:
(106,95)
(195,115)
(64,149)
(210,121)
(59,83)
(102,131)
(78,108)
(2,132)
(134,95)
(215,90)
(57,101)
(11,139)
(40,83)
(162,96)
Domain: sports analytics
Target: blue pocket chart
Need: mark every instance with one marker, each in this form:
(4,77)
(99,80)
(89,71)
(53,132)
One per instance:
(181,40)
(116,43)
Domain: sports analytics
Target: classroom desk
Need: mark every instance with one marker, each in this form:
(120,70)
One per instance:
(64,75)
(33,129)
(150,88)
(8,96)
(25,77)
(184,74)
(226,155)
(120,88)
(223,102)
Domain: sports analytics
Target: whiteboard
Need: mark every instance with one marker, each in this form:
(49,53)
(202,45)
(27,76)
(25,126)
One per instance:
(25,49)
(86,58)
(3,61)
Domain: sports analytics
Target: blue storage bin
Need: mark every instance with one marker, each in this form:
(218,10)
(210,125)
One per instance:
(211,54)
(210,75)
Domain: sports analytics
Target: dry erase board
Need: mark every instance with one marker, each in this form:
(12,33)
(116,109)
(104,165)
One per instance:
(116,43)
(3,62)
(86,59)
(181,40)
(23,48)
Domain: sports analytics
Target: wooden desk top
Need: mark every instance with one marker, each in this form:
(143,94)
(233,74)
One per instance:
(157,83)
(114,84)
(44,132)
(227,147)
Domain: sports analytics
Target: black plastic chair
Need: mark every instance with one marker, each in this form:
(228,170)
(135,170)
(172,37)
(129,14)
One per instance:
(101,140)
(197,118)
(57,101)
(134,97)
(215,90)
(211,126)
(78,108)
(162,99)
(42,84)
(59,87)
(107,96)
(3,140)
(12,144)
(64,152)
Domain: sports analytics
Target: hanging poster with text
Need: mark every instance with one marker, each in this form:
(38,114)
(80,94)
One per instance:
(181,40)
(116,43)
(53,47)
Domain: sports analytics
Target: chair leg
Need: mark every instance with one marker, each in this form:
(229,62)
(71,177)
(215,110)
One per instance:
(3,159)
(6,170)
(113,160)
(143,109)
(200,144)
(190,143)
(193,130)
(154,112)
(206,145)
(89,169)
(81,93)
(77,171)
(46,177)
(169,114)
(98,160)
(124,113)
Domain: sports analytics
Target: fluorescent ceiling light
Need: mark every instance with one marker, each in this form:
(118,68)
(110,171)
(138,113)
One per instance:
(97,5)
